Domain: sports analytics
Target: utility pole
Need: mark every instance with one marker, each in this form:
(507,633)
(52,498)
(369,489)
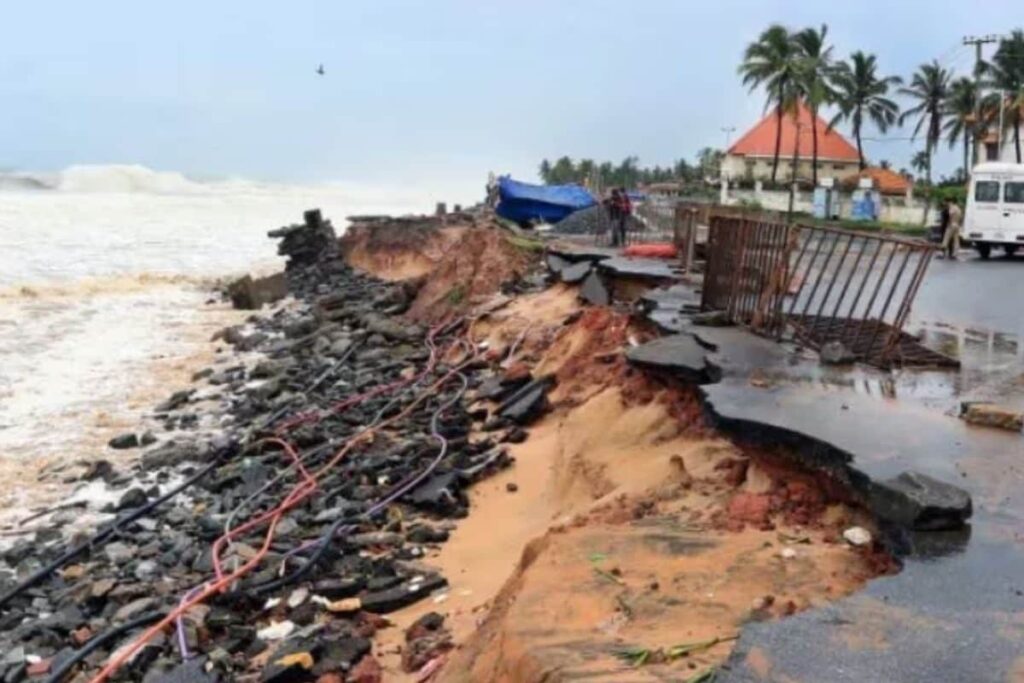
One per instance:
(999,133)
(792,175)
(977,42)
(728,130)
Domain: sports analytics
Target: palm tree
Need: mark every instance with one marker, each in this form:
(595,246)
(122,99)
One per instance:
(1005,74)
(919,162)
(772,61)
(962,109)
(860,93)
(815,68)
(930,87)
(545,171)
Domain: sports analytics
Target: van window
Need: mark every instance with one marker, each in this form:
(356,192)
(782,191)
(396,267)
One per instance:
(986,191)
(1014,193)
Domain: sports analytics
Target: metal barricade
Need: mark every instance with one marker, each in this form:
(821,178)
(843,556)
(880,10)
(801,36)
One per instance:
(824,284)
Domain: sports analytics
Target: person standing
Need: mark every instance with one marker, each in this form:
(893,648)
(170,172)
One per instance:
(943,222)
(614,207)
(625,211)
(951,236)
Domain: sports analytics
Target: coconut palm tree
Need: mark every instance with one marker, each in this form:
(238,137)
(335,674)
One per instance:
(861,94)
(772,61)
(815,57)
(1005,75)
(930,88)
(919,162)
(962,109)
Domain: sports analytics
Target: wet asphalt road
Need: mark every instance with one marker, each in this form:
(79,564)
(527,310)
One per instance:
(973,293)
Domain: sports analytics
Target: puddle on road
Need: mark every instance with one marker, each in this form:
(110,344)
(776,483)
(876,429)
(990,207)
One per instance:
(992,370)
(992,362)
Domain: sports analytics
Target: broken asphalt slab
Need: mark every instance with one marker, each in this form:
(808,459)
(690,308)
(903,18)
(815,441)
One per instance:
(575,273)
(678,355)
(574,253)
(657,270)
(670,308)
(942,616)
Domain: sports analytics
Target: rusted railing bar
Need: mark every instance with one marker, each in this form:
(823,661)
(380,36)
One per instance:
(860,290)
(838,273)
(849,279)
(821,274)
(888,301)
(908,298)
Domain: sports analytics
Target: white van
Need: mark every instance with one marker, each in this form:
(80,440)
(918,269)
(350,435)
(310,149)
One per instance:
(995,208)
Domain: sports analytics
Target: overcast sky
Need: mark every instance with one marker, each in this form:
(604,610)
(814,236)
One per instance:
(435,92)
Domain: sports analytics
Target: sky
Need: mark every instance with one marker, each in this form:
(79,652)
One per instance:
(434,93)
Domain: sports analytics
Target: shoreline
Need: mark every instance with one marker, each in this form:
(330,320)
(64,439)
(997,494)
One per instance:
(445,489)
(176,342)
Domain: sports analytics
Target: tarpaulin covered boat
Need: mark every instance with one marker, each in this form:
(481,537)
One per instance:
(526,203)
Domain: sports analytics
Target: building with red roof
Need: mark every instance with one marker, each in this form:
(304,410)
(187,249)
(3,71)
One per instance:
(752,154)
(885,180)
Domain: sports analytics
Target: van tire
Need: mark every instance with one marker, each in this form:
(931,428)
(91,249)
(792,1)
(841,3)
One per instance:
(984,250)
(1010,249)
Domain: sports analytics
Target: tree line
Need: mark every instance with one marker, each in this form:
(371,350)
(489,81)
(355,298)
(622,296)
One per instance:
(629,173)
(795,67)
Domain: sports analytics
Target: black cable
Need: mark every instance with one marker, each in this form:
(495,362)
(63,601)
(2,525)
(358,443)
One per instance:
(325,539)
(101,537)
(88,648)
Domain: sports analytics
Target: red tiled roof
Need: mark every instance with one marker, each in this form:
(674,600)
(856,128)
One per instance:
(885,180)
(760,140)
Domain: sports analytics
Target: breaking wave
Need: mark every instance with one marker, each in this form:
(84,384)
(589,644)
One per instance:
(112,284)
(131,178)
(138,179)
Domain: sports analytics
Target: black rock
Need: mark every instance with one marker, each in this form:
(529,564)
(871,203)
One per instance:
(169,454)
(176,400)
(528,403)
(132,498)
(192,671)
(343,653)
(516,435)
(99,469)
(427,534)
(124,441)
(248,293)
(385,602)
(337,589)
(390,328)
(431,622)
(916,500)
(439,493)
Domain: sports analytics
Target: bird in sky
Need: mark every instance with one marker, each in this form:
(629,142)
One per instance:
(320,70)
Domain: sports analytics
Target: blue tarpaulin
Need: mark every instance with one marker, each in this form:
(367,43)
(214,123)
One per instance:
(524,203)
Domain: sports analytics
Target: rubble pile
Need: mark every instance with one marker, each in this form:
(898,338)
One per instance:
(593,220)
(332,405)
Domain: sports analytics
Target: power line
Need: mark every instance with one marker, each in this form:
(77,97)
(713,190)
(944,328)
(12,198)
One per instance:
(952,53)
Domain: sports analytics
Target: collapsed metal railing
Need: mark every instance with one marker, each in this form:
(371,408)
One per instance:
(822,284)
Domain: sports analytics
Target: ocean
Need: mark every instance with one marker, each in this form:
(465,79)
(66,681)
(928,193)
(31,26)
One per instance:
(105,299)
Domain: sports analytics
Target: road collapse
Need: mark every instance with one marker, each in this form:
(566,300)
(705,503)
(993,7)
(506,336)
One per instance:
(404,468)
